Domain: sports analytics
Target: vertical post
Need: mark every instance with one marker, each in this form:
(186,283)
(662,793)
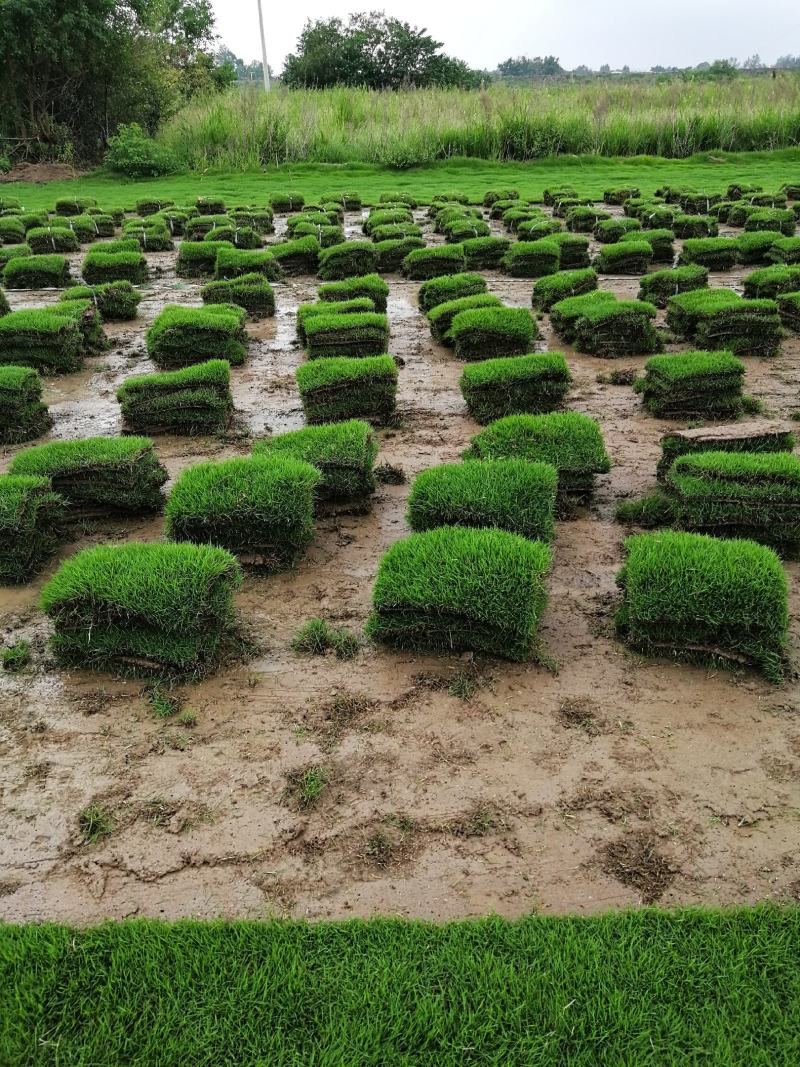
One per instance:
(263,48)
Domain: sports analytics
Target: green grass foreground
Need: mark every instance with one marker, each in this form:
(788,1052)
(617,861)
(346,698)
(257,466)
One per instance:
(590,175)
(644,989)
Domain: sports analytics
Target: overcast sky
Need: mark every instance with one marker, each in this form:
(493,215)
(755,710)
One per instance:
(638,33)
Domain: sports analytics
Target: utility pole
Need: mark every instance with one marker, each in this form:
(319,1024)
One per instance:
(263,48)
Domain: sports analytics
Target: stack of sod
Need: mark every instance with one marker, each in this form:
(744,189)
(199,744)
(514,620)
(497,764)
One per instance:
(12,231)
(625,257)
(50,342)
(5,307)
(149,206)
(484,253)
(88,227)
(394,232)
(532,259)
(621,328)
(493,195)
(573,250)
(550,196)
(755,247)
(740,494)
(689,595)
(739,212)
(506,494)
(297,257)
(120,244)
(658,287)
(783,250)
(249,291)
(456,589)
(789,310)
(30,518)
(333,390)
(565,314)
(343,453)
(84,312)
(36,272)
(565,203)
(357,334)
(121,474)
(747,328)
(99,267)
(23,416)
(327,236)
(772,200)
(440,318)
(466,229)
(199,258)
(423,263)
(398,198)
(321,307)
(660,241)
(391,253)
(347,260)
(256,218)
(244,237)
(175,222)
(771,281)
(387,216)
(44,240)
(483,333)
(449,287)
(518,385)
(687,384)
(609,231)
(716,253)
(9,252)
(210,205)
(369,285)
(542,226)
(70,205)
(635,207)
(776,219)
(685,311)
(194,400)
(618,196)
(739,437)
(694,203)
(549,290)
(261,508)
(349,201)
(233,262)
(180,336)
(143,609)
(585,219)
(289,201)
(694,226)
(571,442)
(115,301)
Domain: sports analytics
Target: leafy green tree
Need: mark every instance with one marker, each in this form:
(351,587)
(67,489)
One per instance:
(523,66)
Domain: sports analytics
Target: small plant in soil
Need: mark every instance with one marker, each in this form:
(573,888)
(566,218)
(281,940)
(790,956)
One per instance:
(94,823)
(317,637)
(305,786)
(17,656)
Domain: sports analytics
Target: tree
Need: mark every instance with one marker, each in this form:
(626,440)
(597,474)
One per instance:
(788,62)
(523,66)
(753,63)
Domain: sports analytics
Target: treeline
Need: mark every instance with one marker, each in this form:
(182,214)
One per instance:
(550,67)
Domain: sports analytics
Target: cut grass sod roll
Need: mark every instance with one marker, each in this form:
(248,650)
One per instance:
(697,597)
(779,220)
(625,257)
(99,267)
(261,508)
(769,282)
(115,301)
(143,609)
(721,319)
(210,205)
(449,287)
(686,310)
(297,257)
(623,328)
(658,287)
(755,247)
(784,250)
(484,253)
(198,259)
(505,494)
(620,194)
(693,226)
(233,262)
(286,201)
(481,333)
(609,231)
(31,516)
(45,240)
(532,259)
(566,314)
(756,436)
(194,400)
(49,342)
(517,385)
(347,260)
(84,312)
(321,307)
(358,334)
(716,253)
(370,285)
(584,219)
(343,453)
(687,384)
(573,250)
(249,291)
(23,416)
(570,441)
(493,195)
(391,253)
(661,242)
(456,589)
(118,474)
(440,318)
(336,389)
(9,252)
(424,263)
(181,335)
(36,272)
(789,310)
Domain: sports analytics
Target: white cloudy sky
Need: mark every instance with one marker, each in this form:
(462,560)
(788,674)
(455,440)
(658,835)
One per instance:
(640,33)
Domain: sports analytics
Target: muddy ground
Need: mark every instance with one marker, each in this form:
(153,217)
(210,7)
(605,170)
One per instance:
(454,787)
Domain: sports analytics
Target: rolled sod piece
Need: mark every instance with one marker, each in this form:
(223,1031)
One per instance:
(343,453)
(484,253)
(180,336)
(716,253)
(693,596)
(391,253)
(584,219)
(625,257)
(261,508)
(8,252)
(620,194)
(658,287)
(746,328)
(150,206)
(772,281)
(755,436)
(45,240)
(88,227)
(115,301)
(469,229)
(23,416)
(385,216)
(789,310)
(624,328)
(244,237)
(120,244)
(543,226)
(333,390)
(440,318)
(357,334)
(50,342)
(776,219)
(36,272)
(322,307)
(609,231)
(210,205)
(197,259)
(755,247)
(570,441)
(12,230)
(783,250)
(259,219)
(70,205)
(566,314)
(194,400)
(202,226)
(550,196)
(99,267)
(297,257)
(532,259)
(739,212)
(119,474)
(424,263)
(31,516)
(456,589)
(694,226)
(686,311)
(150,237)
(143,609)
(249,291)
(449,287)
(347,260)
(286,201)
(699,203)
(482,333)
(84,312)
(493,195)
(233,262)
(660,241)
(573,250)
(686,384)
(517,385)
(391,197)
(370,285)
(394,232)
(326,236)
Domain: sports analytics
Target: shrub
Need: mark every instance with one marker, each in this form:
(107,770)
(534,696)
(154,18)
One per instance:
(23,416)
(100,267)
(609,231)
(288,201)
(694,226)
(45,240)
(370,285)
(742,437)
(233,262)
(774,219)
(658,287)
(249,291)
(358,334)
(143,609)
(789,310)
(693,383)
(533,384)
(584,219)
(449,287)
(769,282)
(199,258)
(440,317)
(9,252)
(455,589)
(480,333)
(691,595)
(131,152)
(625,257)
(573,250)
(297,257)
(565,314)
(51,343)
(570,441)
(391,253)
(660,241)
(36,272)
(755,247)
(194,400)
(115,301)
(321,307)
(333,390)
(347,260)
(783,250)
(685,311)
(622,328)
(532,259)
(716,253)
(423,263)
(181,335)
(343,453)
(484,253)
(31,516)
